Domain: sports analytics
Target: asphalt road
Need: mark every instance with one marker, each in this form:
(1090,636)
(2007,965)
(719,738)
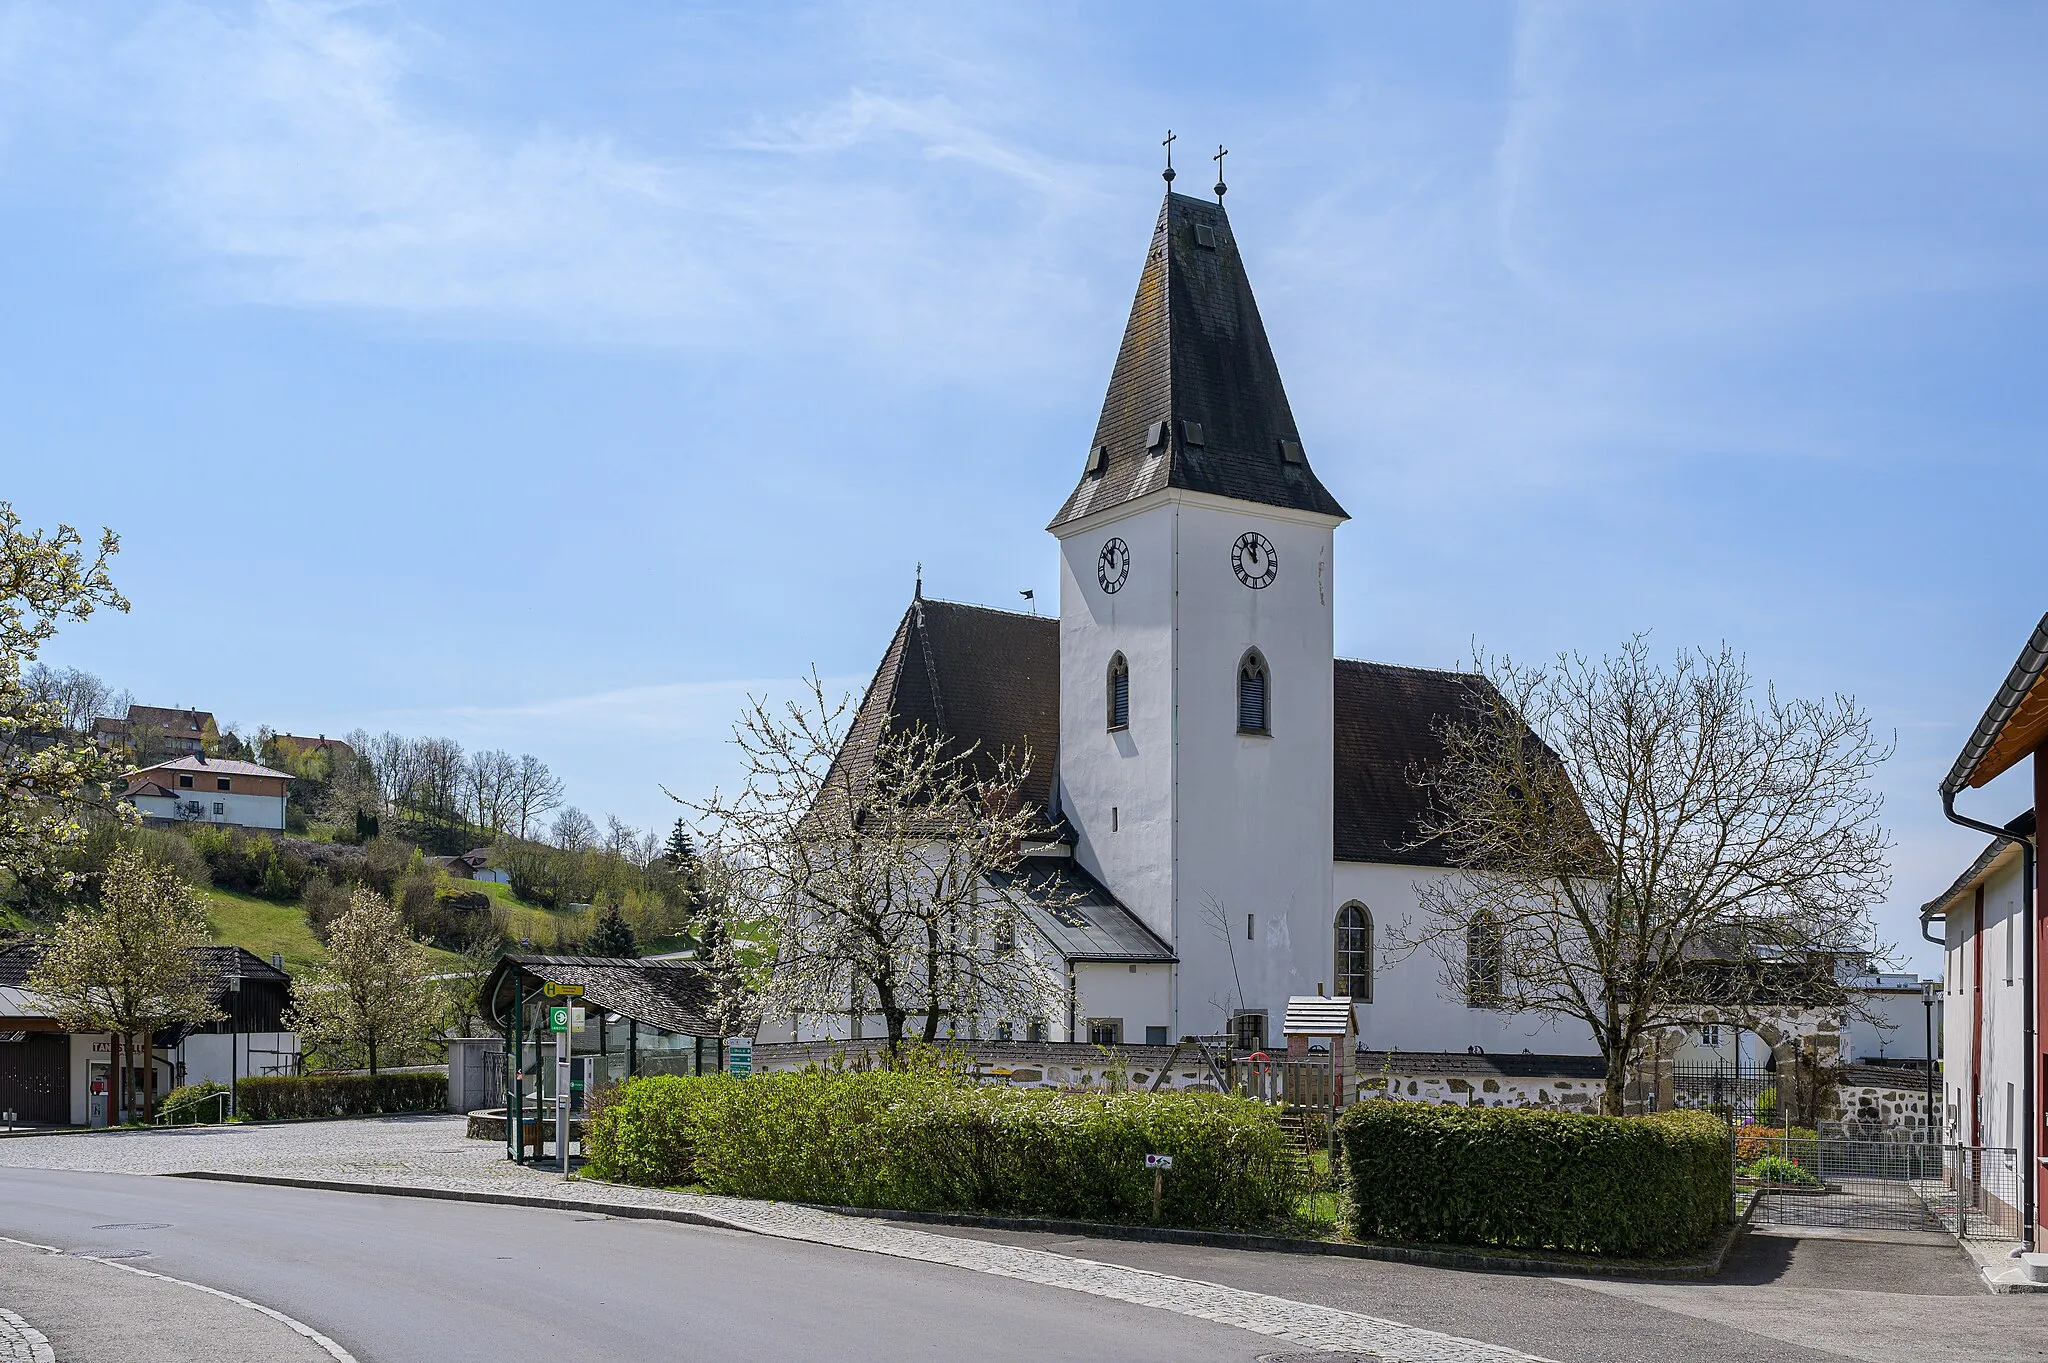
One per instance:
(400,1279)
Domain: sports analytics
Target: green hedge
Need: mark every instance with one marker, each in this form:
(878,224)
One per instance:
(275,1097)
(1528,1179)
(931,1141)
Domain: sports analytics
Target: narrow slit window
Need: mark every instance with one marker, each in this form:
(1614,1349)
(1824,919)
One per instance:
(1252,688)
(1354,953)
(1119,693)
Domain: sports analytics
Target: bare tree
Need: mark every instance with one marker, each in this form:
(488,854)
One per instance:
(535,791)
(573,831)
(883,881)
(491,778)
(1615,826)
(78,696)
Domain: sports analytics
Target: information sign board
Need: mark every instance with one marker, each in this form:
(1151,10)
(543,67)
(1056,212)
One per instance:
(1158,1161)
(558,1018)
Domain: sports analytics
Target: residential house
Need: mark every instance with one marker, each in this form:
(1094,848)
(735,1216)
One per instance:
(475,864)
(52,1076)
(210,790)
(154,731)
(294,745)
(1987,924)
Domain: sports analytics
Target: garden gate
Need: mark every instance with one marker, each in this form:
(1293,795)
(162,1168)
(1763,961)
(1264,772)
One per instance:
(1880,1185)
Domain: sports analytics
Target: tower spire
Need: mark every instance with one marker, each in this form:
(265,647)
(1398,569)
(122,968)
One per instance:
(1221,152)
(1167,174)
(1195,399)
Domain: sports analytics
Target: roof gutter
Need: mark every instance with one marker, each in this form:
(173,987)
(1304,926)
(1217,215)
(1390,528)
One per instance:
(2026,846)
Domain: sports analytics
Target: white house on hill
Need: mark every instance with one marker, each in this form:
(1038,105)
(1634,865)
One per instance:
(210,790)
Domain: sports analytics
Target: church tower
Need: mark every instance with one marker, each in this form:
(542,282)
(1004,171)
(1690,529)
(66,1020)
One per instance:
(1195,757)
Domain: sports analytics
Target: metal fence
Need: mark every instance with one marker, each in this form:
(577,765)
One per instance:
(1738,1095)
(1969,1191)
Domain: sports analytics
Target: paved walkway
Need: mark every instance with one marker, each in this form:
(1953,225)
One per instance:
(432,1153)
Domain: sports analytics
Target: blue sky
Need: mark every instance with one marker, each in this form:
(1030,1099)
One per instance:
(552,377)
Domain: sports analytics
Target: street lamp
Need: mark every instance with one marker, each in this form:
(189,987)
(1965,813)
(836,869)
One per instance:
(1928,989)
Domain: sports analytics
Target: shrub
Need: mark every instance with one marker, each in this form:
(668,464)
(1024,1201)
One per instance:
(274,1097)
(928,1140)
(1779,1169)
(639,1131)
(189,1103)
(1752,1143)
(1530,1179)
(1767,1106)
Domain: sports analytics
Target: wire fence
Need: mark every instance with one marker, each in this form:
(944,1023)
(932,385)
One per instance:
(1968,1191)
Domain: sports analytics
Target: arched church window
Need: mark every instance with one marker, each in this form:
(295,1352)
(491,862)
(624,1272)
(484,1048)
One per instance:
(1119,693)
(1354,953)
(1253,686)
(1483,945)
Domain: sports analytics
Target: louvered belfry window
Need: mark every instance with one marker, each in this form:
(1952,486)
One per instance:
(1119,693)
(1251,695)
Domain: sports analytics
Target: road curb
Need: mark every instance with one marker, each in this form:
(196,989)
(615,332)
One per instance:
(624,1211)
(1706,1267)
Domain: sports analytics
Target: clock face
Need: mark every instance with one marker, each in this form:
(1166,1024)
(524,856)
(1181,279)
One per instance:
(1113,566)
(1253,558)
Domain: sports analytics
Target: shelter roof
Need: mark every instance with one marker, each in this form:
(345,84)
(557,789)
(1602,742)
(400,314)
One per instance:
(676,996)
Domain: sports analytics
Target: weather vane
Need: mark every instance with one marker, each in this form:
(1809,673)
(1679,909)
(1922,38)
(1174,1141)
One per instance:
(1167,174)
(1221,152)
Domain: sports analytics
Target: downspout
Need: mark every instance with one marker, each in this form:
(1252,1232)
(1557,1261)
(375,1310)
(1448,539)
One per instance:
(2032,1047)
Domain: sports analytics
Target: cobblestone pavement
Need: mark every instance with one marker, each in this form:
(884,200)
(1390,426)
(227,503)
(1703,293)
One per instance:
(432,1152)
(21,1342)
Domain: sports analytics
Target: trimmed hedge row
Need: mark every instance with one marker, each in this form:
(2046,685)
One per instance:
(930,1141)
(274,1097)
(1527,1179)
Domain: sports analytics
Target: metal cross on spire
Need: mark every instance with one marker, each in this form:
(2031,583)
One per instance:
(1221,152)
(1167,174)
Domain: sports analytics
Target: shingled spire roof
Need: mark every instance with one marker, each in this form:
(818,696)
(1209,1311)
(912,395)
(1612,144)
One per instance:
(1195,358)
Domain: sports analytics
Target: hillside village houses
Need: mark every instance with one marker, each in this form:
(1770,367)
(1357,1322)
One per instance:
(154,728)
(1994,1062)
(1228,811)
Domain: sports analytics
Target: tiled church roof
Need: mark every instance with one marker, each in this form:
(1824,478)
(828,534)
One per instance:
(1195,351)
(994,677)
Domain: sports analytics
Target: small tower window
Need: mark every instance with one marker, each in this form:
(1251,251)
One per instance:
(1252,689)
(1119,693)
(1483,949)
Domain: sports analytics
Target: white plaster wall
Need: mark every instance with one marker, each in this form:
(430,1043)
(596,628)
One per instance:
(2003,1059)
(208,1057)
(244,811)
(1412,1008)
(1897,1029)
(1142,996)
(1130,771)
(1253,811)
(1204,816)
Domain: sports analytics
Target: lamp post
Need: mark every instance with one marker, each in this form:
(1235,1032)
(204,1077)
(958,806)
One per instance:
(235,1040)
(1927,992)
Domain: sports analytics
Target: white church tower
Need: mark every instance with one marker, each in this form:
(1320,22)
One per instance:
(1195,754)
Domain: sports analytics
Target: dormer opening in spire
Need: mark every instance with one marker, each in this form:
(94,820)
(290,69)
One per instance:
(1195,361)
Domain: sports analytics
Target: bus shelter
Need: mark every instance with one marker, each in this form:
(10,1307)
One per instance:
(630,1017)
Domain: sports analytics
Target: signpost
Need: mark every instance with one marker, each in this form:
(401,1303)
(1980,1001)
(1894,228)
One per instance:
(558,1024)
(739,1057)
(1158,1164)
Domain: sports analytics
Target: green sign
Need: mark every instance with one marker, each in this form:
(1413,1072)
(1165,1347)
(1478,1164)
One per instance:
(739,1058)
(558,1019)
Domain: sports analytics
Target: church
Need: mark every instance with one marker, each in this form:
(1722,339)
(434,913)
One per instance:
(1229,808)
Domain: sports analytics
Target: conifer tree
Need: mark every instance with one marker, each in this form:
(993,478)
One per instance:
(612,936)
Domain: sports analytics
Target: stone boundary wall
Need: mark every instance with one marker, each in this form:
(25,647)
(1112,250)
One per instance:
(1878,1103)
(1031,1064)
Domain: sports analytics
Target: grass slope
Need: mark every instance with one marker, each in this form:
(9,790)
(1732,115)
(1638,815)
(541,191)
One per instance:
(261,926)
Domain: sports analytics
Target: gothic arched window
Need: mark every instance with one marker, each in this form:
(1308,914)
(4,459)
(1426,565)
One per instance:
(1354,953)
(1253,688)
(1119,693)
(1482,962)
